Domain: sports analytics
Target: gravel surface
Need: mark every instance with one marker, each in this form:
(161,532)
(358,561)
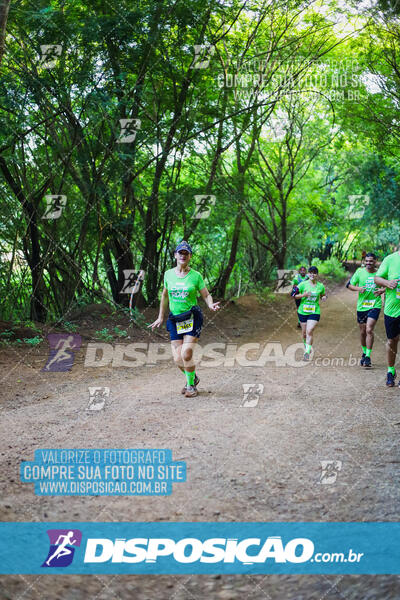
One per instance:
(259,463)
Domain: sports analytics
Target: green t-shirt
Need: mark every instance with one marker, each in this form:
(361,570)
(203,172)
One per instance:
(182,291)
(366,300)
(390,269)
(310,306)
(298,279)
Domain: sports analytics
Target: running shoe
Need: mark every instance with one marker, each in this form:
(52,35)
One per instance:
(390,379)
(196,382)
(362,361)
(367,362)
(306,356)
(191,391)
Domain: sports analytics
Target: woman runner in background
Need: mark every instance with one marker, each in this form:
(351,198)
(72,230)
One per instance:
(310,293)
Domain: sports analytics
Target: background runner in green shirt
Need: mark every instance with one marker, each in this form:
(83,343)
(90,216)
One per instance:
(182,286)
(369,304)
(301,276)
(310,293)
(388,276)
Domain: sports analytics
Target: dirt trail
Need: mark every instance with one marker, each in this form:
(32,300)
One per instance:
(244,464)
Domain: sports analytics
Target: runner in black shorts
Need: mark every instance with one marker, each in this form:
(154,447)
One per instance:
(299,278)
(388,275)
(369,304)
(182,285)
(310,293)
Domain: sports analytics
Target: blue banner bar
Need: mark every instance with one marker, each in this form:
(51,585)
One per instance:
(191,548)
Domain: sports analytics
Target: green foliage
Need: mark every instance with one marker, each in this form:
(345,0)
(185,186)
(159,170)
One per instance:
(265,294)
(104,335)
(33,341)
(138,318)
(120,332)
(282,155)
(68,326)
(330,268)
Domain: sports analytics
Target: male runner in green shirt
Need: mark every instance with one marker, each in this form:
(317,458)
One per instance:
(299,278)
(369,304)
(388,276)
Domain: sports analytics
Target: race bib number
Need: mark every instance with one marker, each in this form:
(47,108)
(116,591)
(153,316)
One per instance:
(309,308)
(185,326)
(368,303)
(398,289)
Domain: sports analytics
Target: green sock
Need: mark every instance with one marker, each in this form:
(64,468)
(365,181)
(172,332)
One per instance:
(368,351)
(391,370)
(364,349)
(308,348)
(304,342)
(190,375)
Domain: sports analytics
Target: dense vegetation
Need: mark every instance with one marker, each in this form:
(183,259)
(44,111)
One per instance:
(266,133)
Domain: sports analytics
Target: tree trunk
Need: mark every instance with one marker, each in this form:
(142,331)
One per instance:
(220,287)
(4,7)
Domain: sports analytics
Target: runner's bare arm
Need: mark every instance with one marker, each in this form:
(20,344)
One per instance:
(379,291)
(208,300)
(163,307)
(303,295)
(391,284)
(356,288)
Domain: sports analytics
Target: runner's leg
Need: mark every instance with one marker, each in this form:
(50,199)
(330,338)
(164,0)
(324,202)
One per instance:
(391,348)
(370,325)
(176,347)
(392,326)
(189,342)
(303,331)
(297,302)
(363,336)
(311,325)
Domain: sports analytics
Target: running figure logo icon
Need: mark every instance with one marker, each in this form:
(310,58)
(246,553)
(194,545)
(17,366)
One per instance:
(98,397)
(129,129)
(55,204)
(203,206)
(329,471)
(62,547)
(132,282)
(284,283)
(62,347)
(50,54)
(202,55)
(251,394)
